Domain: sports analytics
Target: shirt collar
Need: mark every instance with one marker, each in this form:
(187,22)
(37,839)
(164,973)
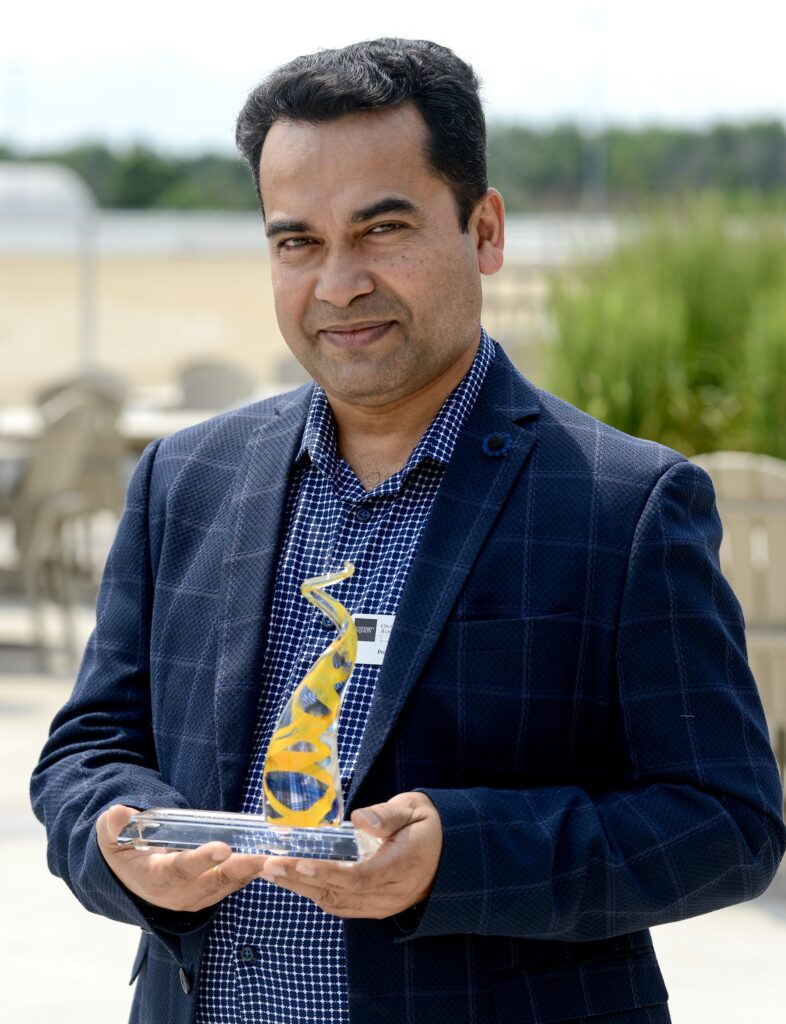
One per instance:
(319,434)
(439,439)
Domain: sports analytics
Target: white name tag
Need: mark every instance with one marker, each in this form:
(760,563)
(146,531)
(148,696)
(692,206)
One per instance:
(373,636)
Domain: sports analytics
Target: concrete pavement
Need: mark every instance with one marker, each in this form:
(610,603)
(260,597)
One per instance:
(57,962)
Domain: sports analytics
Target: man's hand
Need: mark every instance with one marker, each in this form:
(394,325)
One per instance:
(187,880)
(399,875)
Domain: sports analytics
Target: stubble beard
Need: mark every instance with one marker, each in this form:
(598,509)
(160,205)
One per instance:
(360,379)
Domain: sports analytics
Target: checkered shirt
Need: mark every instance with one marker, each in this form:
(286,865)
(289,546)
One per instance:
(272,955)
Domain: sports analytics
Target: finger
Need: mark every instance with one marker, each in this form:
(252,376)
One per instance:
(342,902)
(390,864)
(340,875)
(386,819)
(186,865)
(383,820)
(388,869)
(234,873)
(112,822)
(323,895)
(364,876)
(190,879)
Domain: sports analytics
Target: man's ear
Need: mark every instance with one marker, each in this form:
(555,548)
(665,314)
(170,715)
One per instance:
(489,224)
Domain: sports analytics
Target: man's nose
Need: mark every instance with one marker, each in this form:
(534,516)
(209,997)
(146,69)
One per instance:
(342,277)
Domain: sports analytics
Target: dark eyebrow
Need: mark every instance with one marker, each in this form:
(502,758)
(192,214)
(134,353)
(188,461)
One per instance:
(390,204)
(277,227)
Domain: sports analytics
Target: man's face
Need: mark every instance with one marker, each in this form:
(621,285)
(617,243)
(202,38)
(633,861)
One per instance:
(377,289)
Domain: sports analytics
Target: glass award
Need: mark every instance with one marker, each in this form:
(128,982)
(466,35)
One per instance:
(302,801)
(170,828)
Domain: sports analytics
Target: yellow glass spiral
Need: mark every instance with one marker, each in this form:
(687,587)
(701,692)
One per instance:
(303,745)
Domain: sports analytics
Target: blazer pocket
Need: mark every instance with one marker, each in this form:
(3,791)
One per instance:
(508,634)
(583,991)
(141,956)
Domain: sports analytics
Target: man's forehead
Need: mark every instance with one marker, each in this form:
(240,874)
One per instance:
(373,153)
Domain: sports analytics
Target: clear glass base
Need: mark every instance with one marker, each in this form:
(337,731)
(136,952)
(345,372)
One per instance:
(175,829)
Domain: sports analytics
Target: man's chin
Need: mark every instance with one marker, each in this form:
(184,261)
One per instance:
(361,379)
(362,389)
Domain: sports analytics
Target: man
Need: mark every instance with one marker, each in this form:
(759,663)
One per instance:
(563,745)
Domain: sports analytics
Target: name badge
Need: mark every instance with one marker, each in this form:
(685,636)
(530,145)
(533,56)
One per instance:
(373,635)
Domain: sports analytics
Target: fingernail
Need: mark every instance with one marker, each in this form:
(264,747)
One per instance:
(305,869)
(218,855)
(274,872)
(371,818)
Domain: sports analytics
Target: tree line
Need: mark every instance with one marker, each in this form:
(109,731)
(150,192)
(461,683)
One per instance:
(557,167)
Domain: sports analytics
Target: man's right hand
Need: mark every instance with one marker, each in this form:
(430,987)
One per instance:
(186,880)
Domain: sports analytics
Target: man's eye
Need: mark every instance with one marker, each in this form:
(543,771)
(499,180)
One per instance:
(294,243)
(386,228)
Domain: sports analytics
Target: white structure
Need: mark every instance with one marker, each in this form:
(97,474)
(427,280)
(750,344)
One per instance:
(751,491)
(38,199)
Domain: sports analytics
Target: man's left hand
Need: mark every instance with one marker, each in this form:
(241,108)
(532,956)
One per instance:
(399,875)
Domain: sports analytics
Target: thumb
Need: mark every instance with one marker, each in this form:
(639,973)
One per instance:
(383,820)
(112,822)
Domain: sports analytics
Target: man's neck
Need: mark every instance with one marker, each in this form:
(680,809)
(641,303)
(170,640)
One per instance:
(377,440)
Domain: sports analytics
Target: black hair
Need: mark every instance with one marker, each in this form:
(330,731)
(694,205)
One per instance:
(326,85)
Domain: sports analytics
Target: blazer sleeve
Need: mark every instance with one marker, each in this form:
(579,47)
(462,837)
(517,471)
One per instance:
(694,821)
(100,748)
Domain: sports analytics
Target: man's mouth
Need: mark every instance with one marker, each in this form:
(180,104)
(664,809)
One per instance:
(356,335)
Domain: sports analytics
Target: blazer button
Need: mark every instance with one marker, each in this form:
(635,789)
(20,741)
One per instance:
(497,445)
(185,981)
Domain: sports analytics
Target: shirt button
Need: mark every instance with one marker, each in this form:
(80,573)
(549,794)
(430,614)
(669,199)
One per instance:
(362,514)
(185,981)
(325,623)
(247,954)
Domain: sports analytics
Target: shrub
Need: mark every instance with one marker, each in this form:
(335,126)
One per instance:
(680,335)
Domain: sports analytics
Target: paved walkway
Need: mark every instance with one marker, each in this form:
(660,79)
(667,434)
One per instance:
(59,963)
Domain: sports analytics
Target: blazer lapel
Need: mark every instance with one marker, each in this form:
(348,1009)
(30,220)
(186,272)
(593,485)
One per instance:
(474,487)
(247,577)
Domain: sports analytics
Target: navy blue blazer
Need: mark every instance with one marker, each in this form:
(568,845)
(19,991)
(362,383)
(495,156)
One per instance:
(566,679)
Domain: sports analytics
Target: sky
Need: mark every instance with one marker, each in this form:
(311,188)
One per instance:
(175,74)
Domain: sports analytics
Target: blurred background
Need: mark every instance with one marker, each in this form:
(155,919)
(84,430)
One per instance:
(641,152)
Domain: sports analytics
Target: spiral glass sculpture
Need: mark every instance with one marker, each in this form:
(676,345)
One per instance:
(301,781)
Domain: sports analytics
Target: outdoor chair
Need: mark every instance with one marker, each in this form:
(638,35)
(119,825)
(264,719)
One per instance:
(214,385)
(96,384)
(751,492)
(74,470)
